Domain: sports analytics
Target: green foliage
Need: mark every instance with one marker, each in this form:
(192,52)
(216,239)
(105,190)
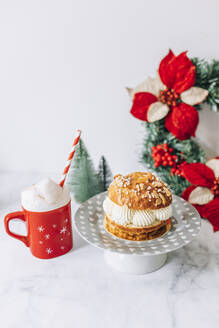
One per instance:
(104,174)
(207,77)
(192,152)
(82,179)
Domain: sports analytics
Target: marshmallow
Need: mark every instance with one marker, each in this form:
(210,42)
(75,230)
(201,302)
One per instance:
(44,196)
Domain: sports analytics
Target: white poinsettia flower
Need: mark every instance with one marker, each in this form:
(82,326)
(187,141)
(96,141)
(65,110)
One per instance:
(214,165)
(152,85)
(201,196)
(194,96)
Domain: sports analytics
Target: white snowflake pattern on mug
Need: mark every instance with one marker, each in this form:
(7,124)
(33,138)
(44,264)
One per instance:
(63,230)
(41,228)
(49,250)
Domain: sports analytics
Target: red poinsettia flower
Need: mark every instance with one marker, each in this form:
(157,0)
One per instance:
(204,193)
(171,94)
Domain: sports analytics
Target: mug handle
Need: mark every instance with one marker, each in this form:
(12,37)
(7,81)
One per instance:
(11,216)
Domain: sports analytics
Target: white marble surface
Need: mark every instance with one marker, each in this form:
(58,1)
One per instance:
(79,290)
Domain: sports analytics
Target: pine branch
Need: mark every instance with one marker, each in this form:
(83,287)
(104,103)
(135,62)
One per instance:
(207,77)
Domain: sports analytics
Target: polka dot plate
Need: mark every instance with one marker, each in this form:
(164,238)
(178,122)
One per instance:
(186,224)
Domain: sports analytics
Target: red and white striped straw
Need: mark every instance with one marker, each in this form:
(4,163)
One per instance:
(68,164)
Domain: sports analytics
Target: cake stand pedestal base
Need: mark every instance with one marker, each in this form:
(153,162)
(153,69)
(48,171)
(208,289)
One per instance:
(134,264)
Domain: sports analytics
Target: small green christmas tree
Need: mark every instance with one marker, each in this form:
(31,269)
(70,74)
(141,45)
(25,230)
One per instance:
(82,180)
(104,174)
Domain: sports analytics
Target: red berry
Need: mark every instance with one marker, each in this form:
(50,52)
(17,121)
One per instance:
(170,150)
(165,163)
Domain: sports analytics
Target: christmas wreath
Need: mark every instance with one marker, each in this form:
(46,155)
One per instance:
(169,105)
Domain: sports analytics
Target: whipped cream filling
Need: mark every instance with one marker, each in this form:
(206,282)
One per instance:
(139,218)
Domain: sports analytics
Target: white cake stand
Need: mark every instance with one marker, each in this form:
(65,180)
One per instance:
(136,257)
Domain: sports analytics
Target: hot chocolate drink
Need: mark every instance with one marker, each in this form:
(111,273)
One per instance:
(47,213)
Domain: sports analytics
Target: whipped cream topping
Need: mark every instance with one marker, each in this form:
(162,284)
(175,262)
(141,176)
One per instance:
(139,218)
(44,196)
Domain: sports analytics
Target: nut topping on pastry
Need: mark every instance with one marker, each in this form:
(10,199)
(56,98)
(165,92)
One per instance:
(139,191)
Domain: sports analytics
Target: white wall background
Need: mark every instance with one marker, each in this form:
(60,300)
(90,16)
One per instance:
(64,64)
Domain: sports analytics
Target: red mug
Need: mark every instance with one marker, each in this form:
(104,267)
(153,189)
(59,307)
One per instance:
(49,234)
